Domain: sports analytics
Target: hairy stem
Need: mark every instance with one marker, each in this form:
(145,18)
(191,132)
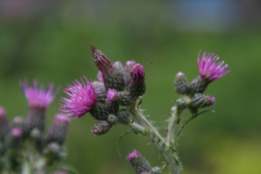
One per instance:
(172,126)
(147,129)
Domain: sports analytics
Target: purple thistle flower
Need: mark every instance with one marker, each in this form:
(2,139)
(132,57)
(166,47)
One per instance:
(111,94)
(138,73)
(100,76)
(209,69)
(38,99)
(81,98)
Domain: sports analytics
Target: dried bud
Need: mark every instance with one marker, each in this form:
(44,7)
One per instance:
(201,100)
(137,84)
(112,76)
(99,111)
(101,127)
(138,162)
(101,61)
(181,83)
(112,119)
(58,130)
(123,116)
(156,170)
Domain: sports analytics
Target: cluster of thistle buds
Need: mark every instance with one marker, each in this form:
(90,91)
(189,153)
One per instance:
(106,99)
(23,146)
(192,96)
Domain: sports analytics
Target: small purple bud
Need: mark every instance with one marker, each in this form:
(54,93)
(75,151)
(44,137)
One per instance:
(111,94)
(101,127)
(101,61)
(100,76)
(201,100)
(17,132)
(138,162)
(138,73)
(129,65)
(118,65)
(181,83)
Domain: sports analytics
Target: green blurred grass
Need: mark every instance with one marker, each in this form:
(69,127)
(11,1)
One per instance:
(55,48)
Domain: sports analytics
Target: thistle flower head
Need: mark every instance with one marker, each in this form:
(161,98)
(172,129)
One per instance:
(99,76)
(81,98)
(209,69)
(138,73)
(111,94)
(100,59)
(38,98)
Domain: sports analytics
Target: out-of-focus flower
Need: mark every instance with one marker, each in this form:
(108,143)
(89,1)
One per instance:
(38,99)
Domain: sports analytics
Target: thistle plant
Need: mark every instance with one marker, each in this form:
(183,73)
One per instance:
(24,148)
(114,98)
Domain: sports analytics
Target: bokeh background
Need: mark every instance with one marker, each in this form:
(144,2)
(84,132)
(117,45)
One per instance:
(49,41)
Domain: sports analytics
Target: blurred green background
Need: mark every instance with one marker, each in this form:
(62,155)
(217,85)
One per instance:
(49,41)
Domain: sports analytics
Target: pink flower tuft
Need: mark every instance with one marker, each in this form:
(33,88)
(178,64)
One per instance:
(138,73)
(134,155)
(111,94)
(38,99)
(100,76)
(209,69)
(17,132)
(81,98)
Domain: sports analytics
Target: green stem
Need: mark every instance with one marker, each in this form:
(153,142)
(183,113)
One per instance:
(149,131)
(172,125)
(26,168)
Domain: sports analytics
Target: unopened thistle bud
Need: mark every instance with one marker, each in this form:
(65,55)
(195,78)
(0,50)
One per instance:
(110,103)
(118,65)
(181,104)
(123,116)
(124,98)
(156,170)
(38,101)
(209,71)
(112,119)
(201,100)
(58,130)
(181,83)
(100,76)
(127,77)
(101,127)
(15,138)
(112,77)
(99,111)
(4,125)
(81,98)
(137,84)
(100,90)
(138,162)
